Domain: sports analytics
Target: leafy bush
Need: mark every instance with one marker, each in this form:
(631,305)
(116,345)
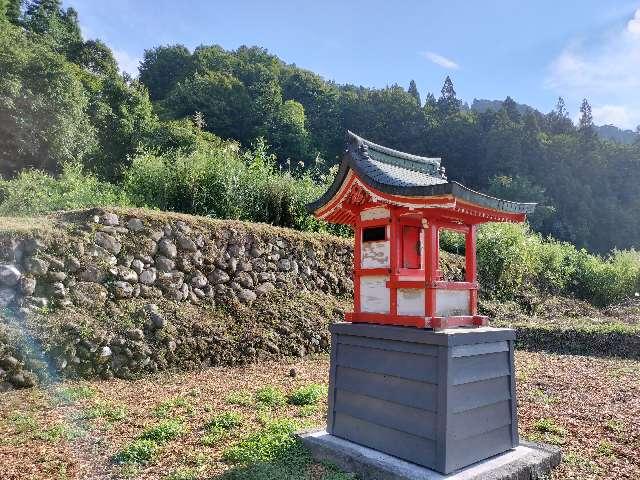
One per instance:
(35,192)
(512,259)
(270,396)
(267,444)
(308,395)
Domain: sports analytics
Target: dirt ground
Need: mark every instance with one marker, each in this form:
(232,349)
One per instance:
(589,406)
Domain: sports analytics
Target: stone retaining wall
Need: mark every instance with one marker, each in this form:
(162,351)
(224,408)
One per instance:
(107,293)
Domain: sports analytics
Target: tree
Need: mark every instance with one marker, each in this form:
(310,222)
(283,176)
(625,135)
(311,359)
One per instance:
(94,56)
(511,108)
(123,117)
(11,10)
(585,124)
(58,27)
(413,91)
(448,103)
(222,99)
(163,67)
(559,121)
(43,121)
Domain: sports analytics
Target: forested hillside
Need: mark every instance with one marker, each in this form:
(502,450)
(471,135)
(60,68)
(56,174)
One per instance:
(185,135)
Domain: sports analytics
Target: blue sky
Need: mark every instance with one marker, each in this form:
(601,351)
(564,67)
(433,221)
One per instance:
(533,51)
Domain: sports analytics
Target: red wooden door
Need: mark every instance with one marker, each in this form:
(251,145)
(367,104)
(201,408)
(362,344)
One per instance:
(410,247)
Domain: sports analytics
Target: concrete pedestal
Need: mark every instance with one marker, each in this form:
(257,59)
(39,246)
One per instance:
(528,461)
(442,400)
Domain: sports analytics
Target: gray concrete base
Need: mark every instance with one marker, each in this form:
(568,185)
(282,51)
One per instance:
(528,461)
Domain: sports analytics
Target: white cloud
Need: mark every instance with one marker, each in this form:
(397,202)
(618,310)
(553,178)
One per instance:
(614,115)
(606,70)
(440,60)
(633,27)
(127,63)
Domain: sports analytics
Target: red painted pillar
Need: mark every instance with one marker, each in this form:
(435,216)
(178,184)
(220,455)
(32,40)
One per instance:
(357,264)
(431,268)
(395,239)
(471,275)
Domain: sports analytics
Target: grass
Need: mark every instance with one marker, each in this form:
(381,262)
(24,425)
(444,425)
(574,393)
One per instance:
(308,395)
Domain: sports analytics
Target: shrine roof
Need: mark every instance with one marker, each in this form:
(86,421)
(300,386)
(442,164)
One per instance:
(402,174)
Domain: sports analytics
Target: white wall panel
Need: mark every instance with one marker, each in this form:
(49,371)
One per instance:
(375,254)
(374,294)
(411,301)
(451,303)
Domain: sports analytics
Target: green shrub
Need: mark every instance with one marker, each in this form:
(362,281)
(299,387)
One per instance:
(267,444)
(270,396)
(308,395)
(138,451)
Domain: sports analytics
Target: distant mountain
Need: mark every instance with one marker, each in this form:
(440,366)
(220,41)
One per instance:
(615,134)
(608,132)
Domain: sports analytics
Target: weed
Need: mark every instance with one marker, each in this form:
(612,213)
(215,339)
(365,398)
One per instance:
(138,451)
(549,432)
(267,444)
(169,407)
(307,411)
(73,394)
(615,426)
(58,432)
(183,473)
(111,413)
(164,431)
(547,425)
(23,422)
(308,395)
(220,426)
(605,449)
(270,396)
(571,458)
(543,397)
(242,398)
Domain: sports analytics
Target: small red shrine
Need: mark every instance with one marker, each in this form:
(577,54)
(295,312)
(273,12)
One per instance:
(397,204)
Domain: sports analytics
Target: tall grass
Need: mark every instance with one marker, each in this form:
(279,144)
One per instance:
(34,192)
(219,180)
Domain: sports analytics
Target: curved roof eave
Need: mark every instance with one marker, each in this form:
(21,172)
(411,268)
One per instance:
(449,188)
